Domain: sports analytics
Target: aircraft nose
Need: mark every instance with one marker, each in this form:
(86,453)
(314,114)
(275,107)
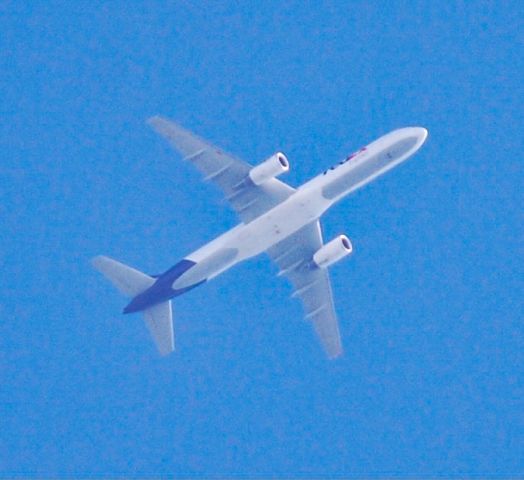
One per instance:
(420,133)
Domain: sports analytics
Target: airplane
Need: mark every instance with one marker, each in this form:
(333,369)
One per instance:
(275,218)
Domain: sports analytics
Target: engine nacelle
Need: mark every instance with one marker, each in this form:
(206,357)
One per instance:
(333,251)
(271,168)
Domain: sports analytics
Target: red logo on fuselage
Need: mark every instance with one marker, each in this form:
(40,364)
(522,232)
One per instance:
(347,159)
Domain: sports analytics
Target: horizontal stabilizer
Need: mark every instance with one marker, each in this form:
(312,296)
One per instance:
(129,281)
(159,321)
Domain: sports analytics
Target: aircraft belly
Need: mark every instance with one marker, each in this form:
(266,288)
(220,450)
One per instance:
(207,268)
(251,239)
(279,223)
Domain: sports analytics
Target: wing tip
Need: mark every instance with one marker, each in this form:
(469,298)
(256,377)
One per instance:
(99,261)
(335,355)
(168,129)
(153,119)
(157,122)
(166,351)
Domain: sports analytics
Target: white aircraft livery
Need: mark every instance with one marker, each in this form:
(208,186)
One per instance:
(275,218)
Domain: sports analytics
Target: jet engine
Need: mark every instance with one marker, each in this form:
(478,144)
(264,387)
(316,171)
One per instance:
(270,168)
(333,251)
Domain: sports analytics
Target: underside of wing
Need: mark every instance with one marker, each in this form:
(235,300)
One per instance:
(311,284)
(229,173)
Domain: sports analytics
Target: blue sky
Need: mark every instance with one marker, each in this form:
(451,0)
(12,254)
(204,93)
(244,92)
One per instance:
(430,303)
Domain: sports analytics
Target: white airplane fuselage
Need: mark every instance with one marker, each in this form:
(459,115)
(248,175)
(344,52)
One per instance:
(306,205)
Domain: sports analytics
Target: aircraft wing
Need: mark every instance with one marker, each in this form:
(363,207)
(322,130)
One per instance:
(311,283)
(229,173)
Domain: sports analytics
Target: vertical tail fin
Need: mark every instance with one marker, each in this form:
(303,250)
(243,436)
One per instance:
(131,282)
